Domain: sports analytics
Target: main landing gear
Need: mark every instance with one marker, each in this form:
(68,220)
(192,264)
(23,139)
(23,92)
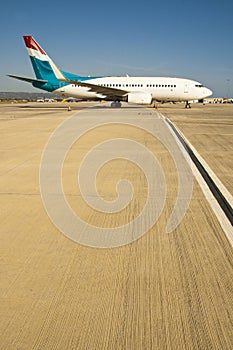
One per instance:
(187,104)
(116,104)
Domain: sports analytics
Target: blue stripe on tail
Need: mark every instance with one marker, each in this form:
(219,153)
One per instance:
(44,71)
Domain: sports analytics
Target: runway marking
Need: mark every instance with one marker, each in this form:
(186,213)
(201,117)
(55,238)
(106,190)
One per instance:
(219,198)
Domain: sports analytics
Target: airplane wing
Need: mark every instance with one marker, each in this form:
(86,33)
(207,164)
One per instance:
(103,90)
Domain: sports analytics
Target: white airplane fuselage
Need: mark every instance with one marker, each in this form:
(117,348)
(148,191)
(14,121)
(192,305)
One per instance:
(160,88)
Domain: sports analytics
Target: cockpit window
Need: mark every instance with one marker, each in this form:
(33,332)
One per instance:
(199,85)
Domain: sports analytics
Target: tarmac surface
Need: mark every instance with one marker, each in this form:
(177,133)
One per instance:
(158,291)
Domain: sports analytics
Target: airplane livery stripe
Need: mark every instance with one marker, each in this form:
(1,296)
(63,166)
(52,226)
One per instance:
(32,44)
(37,54)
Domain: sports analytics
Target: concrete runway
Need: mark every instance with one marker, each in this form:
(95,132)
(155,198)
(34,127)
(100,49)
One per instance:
(162,291)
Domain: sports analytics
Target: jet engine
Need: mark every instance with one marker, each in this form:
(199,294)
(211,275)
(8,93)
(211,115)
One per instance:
(139,97)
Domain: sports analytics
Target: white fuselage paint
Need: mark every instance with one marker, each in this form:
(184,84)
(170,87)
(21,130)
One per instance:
(160,88)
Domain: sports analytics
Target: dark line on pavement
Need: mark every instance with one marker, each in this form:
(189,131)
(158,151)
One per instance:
(222,201)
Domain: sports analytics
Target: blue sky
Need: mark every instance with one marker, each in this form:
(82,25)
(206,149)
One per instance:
(191,39)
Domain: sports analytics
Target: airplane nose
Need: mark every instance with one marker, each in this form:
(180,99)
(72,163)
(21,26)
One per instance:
(207,92)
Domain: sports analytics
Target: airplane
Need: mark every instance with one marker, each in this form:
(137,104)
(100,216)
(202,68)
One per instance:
(138,90)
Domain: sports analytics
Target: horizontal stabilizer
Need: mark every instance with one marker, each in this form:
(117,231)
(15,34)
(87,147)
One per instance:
(29,80)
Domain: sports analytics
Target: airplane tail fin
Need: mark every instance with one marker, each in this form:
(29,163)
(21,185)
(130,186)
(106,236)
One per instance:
(41,62)
(48,76)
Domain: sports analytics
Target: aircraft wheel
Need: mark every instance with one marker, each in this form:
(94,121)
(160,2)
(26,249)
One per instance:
(116,104)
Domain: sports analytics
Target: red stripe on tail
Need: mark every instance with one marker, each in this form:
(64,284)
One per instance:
(32,44)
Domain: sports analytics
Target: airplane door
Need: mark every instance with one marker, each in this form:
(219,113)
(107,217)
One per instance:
(186,88)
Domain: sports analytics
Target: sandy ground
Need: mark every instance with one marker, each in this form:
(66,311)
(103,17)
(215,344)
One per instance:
(163,291)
